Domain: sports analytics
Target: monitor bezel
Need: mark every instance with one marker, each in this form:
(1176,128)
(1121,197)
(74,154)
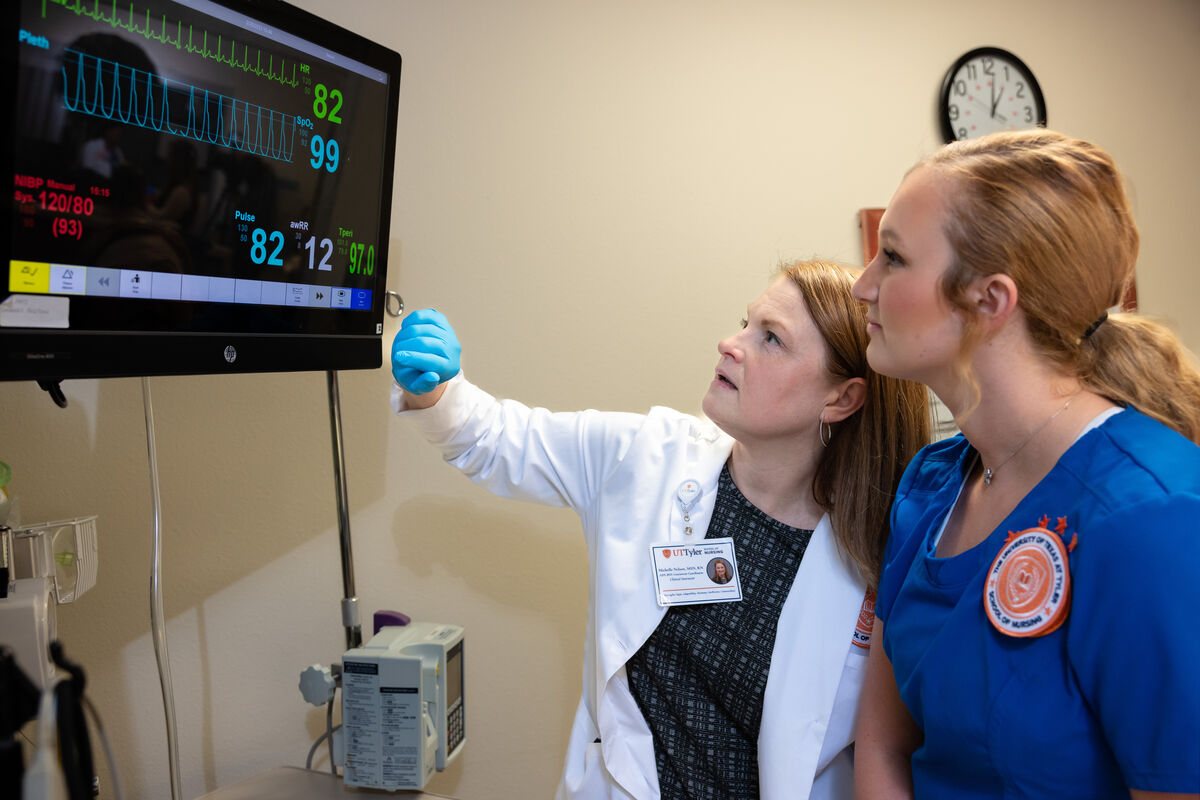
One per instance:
(55,354)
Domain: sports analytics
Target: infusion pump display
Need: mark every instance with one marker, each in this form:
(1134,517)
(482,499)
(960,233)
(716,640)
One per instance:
(185,153)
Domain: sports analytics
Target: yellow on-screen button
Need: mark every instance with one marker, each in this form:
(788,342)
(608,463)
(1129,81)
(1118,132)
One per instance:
(29,276)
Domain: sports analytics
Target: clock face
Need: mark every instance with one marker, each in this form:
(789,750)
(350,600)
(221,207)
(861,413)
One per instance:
(987,90)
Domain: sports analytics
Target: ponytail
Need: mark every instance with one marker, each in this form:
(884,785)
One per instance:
(1135,361)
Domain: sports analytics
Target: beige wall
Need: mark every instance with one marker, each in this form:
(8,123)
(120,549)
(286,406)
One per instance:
(592,192)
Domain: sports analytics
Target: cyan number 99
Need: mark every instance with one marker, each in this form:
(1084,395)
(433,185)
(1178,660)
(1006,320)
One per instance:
(324,151)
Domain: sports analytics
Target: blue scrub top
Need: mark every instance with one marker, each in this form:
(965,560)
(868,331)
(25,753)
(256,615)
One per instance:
(1110,700)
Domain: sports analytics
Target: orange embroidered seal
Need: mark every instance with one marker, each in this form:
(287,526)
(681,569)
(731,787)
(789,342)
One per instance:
(866,621)
(1028,587)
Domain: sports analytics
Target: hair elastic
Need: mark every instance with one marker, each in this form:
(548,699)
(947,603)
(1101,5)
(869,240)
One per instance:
(1092,328)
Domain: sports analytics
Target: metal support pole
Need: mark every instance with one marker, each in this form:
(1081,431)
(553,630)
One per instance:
(349,601)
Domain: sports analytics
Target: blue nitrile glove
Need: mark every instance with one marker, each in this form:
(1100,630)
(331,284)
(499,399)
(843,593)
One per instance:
(425,352)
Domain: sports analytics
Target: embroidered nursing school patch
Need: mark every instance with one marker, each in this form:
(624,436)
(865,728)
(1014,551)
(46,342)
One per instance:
(1028,588)
(866,621)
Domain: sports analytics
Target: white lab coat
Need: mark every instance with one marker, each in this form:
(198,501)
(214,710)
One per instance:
(621,473)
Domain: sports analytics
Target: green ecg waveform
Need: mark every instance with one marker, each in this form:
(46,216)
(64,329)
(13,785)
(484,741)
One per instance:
(162,34)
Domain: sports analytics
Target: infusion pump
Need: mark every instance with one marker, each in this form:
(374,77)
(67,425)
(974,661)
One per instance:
(402,706)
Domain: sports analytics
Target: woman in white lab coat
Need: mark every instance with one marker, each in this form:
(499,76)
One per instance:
(755,697)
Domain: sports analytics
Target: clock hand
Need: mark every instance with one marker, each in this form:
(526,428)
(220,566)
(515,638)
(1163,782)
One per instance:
(996,100)
(984,106)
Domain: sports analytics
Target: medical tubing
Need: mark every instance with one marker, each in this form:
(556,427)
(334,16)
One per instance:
(157,627)
(108,754)
(312,751)
(329,733)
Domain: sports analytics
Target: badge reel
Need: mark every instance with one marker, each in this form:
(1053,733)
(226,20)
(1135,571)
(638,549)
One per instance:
(697,571)
(688,495)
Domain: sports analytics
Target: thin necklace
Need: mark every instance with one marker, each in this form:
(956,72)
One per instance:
(989,473)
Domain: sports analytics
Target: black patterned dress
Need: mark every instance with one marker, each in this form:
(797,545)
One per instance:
(700,677)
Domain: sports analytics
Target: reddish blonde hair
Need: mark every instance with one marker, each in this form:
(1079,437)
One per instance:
(859,471)
(1051,213)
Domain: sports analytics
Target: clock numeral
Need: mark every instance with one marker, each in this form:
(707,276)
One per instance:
(970,72)
(987,66)
(962,133)
(960,87)
(1029,113)
(1021,89)
(952,111)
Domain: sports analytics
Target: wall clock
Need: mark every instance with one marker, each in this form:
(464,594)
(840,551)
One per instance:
(989,89)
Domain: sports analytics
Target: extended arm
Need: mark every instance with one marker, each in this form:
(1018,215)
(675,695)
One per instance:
(509,448)
(887,734)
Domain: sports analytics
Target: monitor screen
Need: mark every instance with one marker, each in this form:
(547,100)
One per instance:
(198,187)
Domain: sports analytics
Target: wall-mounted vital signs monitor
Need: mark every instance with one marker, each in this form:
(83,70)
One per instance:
(198,186)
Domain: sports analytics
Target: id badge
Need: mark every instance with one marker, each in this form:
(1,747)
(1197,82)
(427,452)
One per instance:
(698,572)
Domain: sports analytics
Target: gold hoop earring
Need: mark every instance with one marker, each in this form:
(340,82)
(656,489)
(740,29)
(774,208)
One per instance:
(826,438)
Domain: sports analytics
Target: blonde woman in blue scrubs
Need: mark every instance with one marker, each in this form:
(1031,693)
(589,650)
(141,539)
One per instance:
(1037,608)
